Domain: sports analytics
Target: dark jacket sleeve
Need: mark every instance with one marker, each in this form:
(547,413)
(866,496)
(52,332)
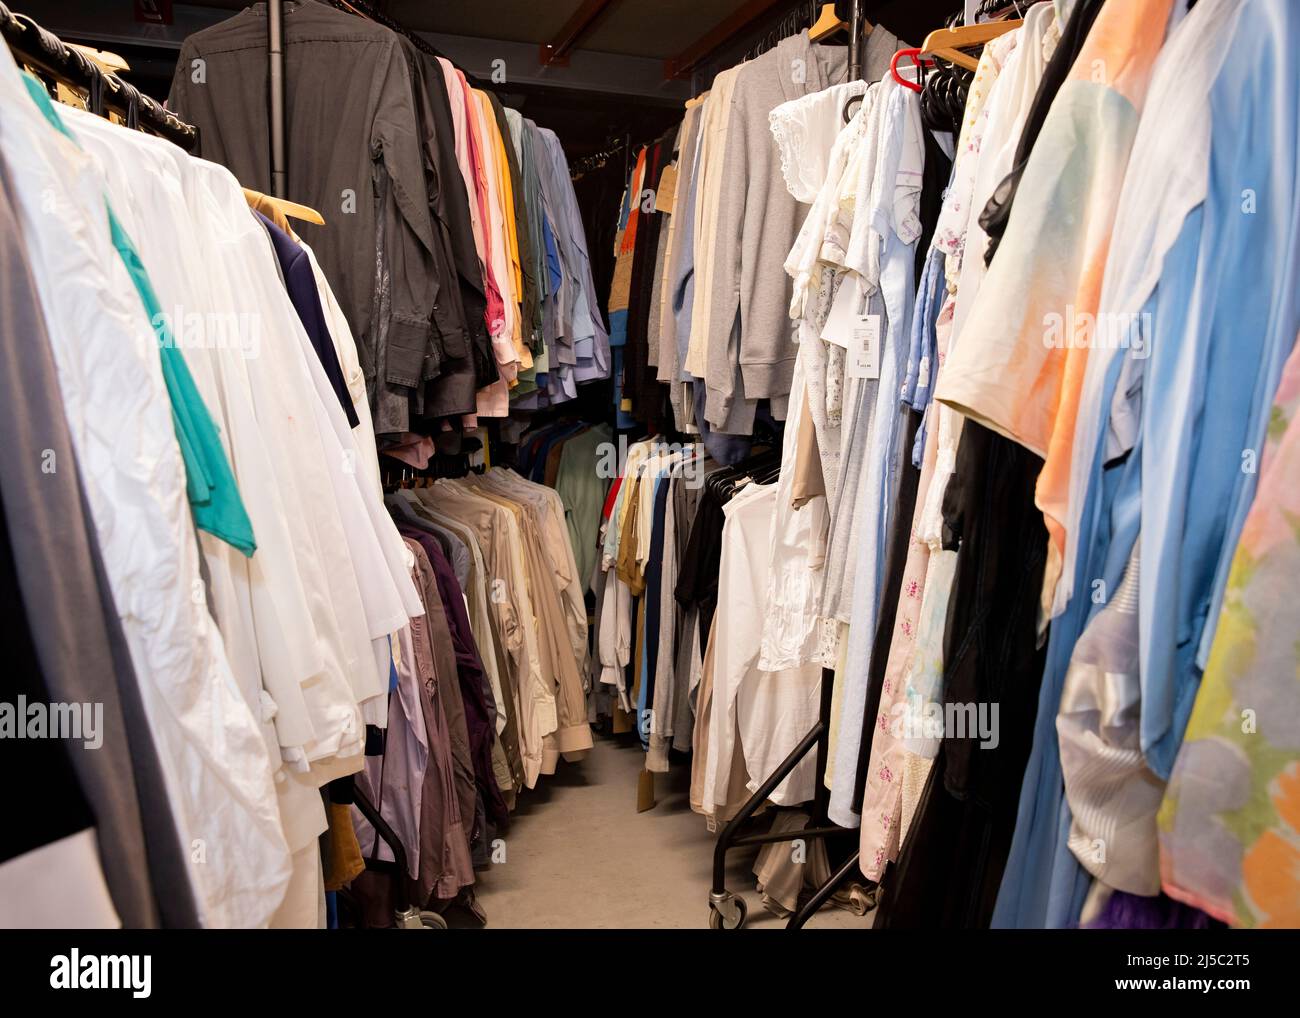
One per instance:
(416,315)
(452,393)
(451,323)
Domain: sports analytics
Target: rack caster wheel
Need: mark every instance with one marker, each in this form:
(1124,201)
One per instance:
(419,919)
(727,911)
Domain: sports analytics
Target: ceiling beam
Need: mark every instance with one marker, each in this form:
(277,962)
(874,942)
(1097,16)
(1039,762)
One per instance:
(556,52)
(682,64)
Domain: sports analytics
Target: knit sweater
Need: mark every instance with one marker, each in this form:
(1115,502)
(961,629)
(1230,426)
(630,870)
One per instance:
(751,342)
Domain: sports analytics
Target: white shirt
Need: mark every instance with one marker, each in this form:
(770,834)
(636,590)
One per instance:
(771,711)
(254,595)
(805,130)
(345,347)
(215,763)
(797,555)
(356,596)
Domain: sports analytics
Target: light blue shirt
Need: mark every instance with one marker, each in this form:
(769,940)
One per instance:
(923,356)
(874,516)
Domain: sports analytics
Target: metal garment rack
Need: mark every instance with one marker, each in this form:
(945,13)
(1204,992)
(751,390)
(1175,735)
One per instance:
(727,910)
(275,94)
(46,52)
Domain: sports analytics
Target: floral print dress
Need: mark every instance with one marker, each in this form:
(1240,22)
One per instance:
(1229,825)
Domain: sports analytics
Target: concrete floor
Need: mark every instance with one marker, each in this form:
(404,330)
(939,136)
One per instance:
(579,856)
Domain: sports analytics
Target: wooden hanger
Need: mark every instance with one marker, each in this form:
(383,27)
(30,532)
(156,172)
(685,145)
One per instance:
(104,59)
(827,24)
(295,211)
(948,43)
(290,208)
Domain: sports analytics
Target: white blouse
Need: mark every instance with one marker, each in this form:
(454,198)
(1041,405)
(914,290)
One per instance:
(215,763)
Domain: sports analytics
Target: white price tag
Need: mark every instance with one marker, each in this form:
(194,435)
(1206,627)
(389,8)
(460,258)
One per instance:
(841,318)
(864,354)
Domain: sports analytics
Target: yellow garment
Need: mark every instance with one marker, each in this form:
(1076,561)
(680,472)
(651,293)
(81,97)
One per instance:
(708,184)
(343,854)
(505,198)
(512,224)
(497,232)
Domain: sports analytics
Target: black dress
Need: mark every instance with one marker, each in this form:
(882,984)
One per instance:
(950,866)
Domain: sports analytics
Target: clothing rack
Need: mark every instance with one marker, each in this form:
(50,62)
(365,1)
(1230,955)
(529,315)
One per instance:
(275,84)
(727,910)
(368,10)
(791,23)
(406,914)
(35,46)
(804,15)
(855,40)
(596,160)
(998,9)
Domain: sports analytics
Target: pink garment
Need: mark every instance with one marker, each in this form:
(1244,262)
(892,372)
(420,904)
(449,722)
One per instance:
(413,450)
(492,151)
(464,157)
(493,400)
(883,797)
(467,120)
(484,153)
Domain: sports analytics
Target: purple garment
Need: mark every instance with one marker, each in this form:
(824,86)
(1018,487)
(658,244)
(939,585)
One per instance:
(479,720)
(578,302)
(1134,912)
(394,782)
(449,812)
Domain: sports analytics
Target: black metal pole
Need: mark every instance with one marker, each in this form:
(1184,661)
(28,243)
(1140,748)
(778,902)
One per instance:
(389,837)
(822,895)
(731,832)
(822,794)
(855,41)
(275,81)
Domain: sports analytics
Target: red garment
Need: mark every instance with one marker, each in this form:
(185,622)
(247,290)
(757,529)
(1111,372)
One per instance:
(609,499)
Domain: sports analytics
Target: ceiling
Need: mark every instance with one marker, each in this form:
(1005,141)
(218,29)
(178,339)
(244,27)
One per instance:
(642,28)
(612,85)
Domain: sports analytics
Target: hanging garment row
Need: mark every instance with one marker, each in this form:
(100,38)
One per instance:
(502,654)
(1031,482)
(452,232)
(187,400)
(696,298)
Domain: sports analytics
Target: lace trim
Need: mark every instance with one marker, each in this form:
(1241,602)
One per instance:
(828,643)
(791,140)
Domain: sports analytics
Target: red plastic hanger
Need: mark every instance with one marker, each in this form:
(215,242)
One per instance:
(913,55)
